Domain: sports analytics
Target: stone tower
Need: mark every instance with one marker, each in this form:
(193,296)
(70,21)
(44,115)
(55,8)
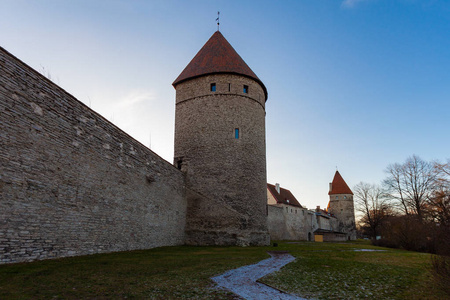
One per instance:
(341,206)
(220,145)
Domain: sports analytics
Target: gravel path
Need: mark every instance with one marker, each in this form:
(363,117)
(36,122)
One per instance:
(242,281)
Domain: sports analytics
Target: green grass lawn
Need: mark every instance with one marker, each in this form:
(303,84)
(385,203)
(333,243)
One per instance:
(321,271)
(337,271)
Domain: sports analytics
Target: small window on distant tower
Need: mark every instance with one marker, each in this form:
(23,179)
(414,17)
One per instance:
(229,87)
(236,133)
(213,87)
(245,89)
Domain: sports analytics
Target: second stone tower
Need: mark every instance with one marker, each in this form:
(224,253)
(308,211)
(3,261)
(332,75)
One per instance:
(220,145)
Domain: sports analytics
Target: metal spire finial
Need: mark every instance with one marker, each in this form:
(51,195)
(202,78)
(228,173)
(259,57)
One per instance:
(218,23)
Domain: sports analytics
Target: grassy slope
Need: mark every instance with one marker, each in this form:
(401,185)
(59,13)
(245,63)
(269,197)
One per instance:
(322,270)
(337,271)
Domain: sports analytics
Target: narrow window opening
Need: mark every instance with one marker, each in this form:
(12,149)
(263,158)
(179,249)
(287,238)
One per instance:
(229,87)
(213,87)
(236,133)
(245,89)
(179,164)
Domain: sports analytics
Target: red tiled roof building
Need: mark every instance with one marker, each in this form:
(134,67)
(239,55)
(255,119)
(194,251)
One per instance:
(217,56)
(282,196)
(339,186)
(220,145)
(341,205)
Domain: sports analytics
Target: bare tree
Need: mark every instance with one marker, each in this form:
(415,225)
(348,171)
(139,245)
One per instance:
(411,184)
(374,206)
(439,206)
(440,210)
(394,186)
(443,172)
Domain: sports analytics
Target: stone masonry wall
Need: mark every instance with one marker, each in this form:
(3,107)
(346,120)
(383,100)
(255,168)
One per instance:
(276,222)
(229,171)
(288,222)
(72,183)
(342,207)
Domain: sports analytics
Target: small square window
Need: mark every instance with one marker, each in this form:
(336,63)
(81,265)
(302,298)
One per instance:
(245,89)
(236,133)
(213,87)
(337,197)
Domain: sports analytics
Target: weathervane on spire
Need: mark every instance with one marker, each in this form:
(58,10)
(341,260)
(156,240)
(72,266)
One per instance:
(218,15)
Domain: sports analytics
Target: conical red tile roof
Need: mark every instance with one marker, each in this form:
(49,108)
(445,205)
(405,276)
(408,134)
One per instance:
(338,186)
(217,56)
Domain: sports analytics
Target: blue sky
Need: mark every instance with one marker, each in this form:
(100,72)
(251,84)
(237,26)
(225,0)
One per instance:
(356,84)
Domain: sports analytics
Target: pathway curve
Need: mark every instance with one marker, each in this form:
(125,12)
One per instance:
(242,281)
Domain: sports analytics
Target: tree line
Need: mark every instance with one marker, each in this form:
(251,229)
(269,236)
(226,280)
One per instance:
(410,209)
(415,190)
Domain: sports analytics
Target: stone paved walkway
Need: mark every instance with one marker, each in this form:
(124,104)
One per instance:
(242,281)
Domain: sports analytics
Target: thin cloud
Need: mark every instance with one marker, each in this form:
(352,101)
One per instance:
(134,98)
(351,3)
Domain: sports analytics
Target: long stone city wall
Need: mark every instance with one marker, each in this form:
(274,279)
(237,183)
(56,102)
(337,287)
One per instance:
(289,223)
(72,183)
(276,222)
